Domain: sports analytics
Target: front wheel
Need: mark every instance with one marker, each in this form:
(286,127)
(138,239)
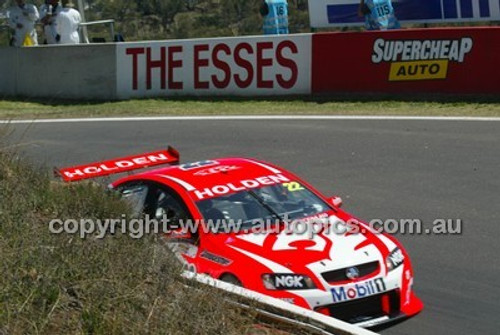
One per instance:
(231,279)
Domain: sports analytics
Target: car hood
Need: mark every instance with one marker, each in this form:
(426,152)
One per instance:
(304,252)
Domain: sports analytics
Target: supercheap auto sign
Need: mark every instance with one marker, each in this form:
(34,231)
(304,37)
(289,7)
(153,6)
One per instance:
(438,60)
(223,66)
(420,59)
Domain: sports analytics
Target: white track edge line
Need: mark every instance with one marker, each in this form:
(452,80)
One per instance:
(254,117)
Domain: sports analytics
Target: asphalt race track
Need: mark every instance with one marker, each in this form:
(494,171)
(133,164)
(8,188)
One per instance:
(385,169)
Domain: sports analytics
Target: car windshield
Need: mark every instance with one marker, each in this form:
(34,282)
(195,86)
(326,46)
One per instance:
(289,200)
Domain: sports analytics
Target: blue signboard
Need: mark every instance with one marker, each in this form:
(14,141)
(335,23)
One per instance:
(327,13)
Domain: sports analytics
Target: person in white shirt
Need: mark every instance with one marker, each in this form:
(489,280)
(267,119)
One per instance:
(68,22)
(22,18)
(48,13)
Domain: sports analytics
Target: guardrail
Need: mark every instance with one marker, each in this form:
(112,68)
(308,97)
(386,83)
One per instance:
(110,22)
(281,312)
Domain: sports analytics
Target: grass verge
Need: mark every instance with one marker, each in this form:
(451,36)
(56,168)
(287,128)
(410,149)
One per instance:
(35,109)
(60,284)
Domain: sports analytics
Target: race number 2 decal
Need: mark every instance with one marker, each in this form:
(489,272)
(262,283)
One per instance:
(293,186)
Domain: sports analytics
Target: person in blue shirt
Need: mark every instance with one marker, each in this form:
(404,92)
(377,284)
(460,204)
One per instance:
(275,14)
(379,14)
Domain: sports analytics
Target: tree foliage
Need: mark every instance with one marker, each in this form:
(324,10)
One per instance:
(167,19)
(174,19)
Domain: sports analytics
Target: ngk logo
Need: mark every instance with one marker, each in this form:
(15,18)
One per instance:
(288,281)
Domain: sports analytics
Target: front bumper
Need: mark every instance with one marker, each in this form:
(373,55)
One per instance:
(367,303)
(374,310)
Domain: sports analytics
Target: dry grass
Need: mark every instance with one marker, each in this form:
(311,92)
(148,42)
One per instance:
(62,284)
(17,109)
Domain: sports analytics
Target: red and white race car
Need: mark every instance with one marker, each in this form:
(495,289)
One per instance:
(257,225)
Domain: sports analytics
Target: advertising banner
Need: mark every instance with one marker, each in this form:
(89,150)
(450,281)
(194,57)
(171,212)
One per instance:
(439,60)
(335,13)
(261,65)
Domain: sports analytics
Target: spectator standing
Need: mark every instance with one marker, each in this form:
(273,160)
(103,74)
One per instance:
(275,14)
(379,14)
(48,14)
(22,18)
(67,24)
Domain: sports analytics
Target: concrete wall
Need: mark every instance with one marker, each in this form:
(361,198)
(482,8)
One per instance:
(260,65)
(8,73)
(63,72)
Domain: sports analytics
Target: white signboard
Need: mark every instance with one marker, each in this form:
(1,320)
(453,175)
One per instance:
(251,66)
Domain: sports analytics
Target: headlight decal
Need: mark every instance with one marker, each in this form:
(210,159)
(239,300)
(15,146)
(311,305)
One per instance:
(395,259)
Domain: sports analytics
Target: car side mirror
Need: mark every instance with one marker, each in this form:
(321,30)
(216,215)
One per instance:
(336,201)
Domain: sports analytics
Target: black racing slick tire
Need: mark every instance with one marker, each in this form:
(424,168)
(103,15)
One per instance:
(231,279)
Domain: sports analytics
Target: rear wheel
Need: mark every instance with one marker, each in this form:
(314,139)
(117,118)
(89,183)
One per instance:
(231,279)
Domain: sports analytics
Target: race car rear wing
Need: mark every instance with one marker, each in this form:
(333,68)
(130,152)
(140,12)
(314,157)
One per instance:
(118,165)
